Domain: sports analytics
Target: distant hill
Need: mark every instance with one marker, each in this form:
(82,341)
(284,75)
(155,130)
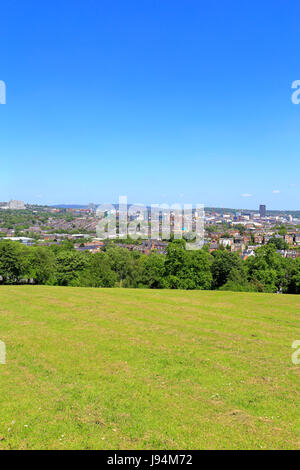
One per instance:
(293,213)
(70,206)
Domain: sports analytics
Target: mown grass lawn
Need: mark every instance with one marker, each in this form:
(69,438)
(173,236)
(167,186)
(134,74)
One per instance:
(142,369)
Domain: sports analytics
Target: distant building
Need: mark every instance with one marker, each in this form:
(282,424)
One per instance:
(262,210)
(16,205)
(24,240)
(226,241)
(247,253)
(92,207)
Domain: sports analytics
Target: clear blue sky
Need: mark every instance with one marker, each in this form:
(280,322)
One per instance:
(162,101)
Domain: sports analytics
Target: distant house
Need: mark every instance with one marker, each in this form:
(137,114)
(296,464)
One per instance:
(289,238)
(226,241)
(213,247)
(240,246)
(80,235)
(247,253)
(292,254)
(91,248)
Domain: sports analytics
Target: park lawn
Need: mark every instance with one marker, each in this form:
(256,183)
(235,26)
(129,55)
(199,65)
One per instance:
(148,369)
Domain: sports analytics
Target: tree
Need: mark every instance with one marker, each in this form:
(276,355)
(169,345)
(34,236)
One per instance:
(127,265)
(70,265)
(223,264)
(187,269)
(279,243)
(241,228)
(282,230)
(98,272)
(42,265)
(267,268)
(119,261)
(153,275)
(237,282)
(197,270)
(294,281)
(13,261)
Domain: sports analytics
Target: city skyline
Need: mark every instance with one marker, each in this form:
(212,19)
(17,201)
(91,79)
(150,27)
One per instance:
(262,211)
(20,204)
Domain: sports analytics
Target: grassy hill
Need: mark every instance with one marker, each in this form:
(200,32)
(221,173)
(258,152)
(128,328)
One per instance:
(135,369)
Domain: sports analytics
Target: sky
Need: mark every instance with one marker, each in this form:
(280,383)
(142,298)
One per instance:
(173,101)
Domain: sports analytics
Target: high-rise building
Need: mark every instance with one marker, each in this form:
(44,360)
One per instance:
(262,210)
(92,207)
(16,205)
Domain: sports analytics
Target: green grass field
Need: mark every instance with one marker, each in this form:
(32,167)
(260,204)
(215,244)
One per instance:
(141,369)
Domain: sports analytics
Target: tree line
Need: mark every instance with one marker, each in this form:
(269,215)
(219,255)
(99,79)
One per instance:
(179,268)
